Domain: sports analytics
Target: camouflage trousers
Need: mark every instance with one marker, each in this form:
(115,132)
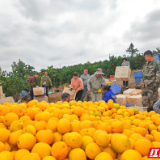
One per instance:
(149,96)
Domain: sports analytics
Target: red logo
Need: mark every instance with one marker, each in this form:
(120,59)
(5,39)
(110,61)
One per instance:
(154,153)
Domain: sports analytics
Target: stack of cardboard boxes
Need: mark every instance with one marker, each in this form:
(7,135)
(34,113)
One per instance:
(4,99)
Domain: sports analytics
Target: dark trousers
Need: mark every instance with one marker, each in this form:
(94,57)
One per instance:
(47,88)
(125,83)
(79,95)
(31,93)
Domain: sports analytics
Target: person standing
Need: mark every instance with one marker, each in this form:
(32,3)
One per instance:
(125,63)
(32,81)
(95,83)
(85,77)
(77,84)
(150,80)
(46,82)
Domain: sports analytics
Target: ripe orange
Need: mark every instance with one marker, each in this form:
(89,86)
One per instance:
(31,156)
(41,125)
(103,156)
(92,150)
(6,155)
(13,138)
(26,141)
(21,153)
(4,135)
(2,147)
(42,149)
(46,136)
(143,146)
(131,155)
(85,141)
(77,154)
(16,125)
(52,125)
(117,127)
(9,118)
(59,150)
(74,140)
(64,126)
(120,143)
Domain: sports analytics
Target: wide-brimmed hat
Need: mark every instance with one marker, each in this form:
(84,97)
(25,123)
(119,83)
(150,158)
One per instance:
(99,71)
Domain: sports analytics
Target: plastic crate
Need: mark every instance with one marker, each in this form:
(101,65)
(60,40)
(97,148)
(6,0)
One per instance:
(137,74)
(116,88)
(138,79)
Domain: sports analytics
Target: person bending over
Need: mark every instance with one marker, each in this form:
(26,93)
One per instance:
(108,94)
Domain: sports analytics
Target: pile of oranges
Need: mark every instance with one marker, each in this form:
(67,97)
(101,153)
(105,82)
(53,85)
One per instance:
(76,131)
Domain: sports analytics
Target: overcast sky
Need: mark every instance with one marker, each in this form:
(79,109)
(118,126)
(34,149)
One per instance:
(53,32)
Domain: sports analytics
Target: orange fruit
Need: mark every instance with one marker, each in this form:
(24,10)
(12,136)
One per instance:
(42,149)
(58,113)
(78,111)
(2,147)
(28,122)
(31,103)
(57,137)
(6,155)
(16,125)
(7,146)
(26,141)
(110,151)
(117,127)
(92,150)
(74,140)
(45,116)
(103,139)
(9,118)
(4,110)
(85,141)
(49,158)
(21,153)
(31,112)
(24,118)
(120,143)
(103,126)
(41,125)
(52,125)
(30,156)
(2,125)
(59,150)
(18,111)
(13,138)
(131,155)
(103,155)
(86,124)
(46,136)
(127,132)
(64,126)
(143,146)
(152,127)
(75,126)
(156,144)
(140,130)
(29,129)
(132,143)
(135,136)
(77,154)
(4,135)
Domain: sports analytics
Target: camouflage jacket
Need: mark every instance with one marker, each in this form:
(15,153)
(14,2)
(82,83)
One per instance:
(151,73)
(45,80)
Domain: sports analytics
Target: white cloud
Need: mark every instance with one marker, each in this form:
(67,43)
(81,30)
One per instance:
(50,32)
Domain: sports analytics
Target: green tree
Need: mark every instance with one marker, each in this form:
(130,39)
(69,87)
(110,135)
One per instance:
(131,50)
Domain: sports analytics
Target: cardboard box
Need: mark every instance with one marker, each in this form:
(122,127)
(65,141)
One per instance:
(39,91)
(123,73)
(121,99)
(128,91)
(137,100)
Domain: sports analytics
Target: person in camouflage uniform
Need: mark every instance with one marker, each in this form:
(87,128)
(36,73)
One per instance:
(46,81)
(150,80)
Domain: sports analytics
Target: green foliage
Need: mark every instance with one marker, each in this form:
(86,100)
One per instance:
(131,50)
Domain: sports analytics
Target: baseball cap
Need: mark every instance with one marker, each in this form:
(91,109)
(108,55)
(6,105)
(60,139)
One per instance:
(64,96)
(99,71)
